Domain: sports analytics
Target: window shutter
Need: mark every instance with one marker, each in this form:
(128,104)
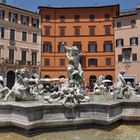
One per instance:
(111,47)
(16,17)
(122,42)
(130,41)
(21,19)
(136,41)
(9,16)
(2,34)
(3,14)
(104,47)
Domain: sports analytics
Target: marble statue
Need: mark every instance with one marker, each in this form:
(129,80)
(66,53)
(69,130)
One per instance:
(73,92)
(36,86)
(73,56)
(74,69)
(99,88)
(120,80)
(119,87)
(100,79)
(129,90)
(21,89)
(122,89)
(3,90)
(69,96)
(73,95)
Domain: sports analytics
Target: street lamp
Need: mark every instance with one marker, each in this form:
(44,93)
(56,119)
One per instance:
(126,64)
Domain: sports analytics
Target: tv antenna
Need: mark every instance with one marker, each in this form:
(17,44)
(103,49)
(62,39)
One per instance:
(15,2)
(96,3)
(3,1)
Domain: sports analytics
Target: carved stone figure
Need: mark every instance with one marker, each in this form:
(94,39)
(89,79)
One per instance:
(27,89)
(100,79)
(36,86)
(74,66)
(120,80)
(21,88)
(3,90)
(71,94)
(99,87)
(73,56)
(128,90)
(119,88)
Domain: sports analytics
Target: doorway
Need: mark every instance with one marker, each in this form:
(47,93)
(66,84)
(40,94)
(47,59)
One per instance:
(10,79)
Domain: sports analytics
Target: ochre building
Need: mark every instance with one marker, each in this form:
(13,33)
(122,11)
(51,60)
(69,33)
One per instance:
(90,29)
(127,38)
(20,41)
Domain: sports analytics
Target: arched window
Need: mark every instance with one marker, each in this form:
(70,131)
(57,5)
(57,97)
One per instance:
(62,76)
(47,76)
(92,79)
(10,79)
(109,77)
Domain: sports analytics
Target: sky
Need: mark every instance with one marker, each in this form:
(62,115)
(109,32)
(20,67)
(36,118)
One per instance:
(32,5)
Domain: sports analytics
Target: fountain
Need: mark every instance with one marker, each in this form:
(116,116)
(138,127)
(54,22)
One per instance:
(29,108)
(73,93)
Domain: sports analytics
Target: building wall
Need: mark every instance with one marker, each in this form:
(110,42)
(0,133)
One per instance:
(126,32)
(54,69)
(19,45)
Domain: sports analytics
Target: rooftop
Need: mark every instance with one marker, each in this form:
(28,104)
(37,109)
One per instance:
(6,5)
(97,6)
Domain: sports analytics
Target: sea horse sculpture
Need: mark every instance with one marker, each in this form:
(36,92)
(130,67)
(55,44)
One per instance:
(21,88)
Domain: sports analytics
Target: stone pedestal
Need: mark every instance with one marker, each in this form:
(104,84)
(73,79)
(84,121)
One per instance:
(31,115)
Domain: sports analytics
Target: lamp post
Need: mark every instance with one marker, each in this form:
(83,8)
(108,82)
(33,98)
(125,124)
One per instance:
(126,65)
(38,68)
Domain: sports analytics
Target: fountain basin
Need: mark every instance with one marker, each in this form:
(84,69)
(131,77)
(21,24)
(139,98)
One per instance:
(36,115)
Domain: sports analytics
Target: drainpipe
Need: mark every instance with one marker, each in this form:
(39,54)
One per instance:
(54,35)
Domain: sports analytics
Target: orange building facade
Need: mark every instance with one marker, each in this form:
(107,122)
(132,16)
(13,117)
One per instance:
(88,28)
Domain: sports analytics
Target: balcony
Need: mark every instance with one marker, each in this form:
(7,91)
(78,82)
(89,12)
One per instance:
(25,63)
(12,42)
(21,62)
(12,62)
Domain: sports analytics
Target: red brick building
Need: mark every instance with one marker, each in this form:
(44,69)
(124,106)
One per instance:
(90,29)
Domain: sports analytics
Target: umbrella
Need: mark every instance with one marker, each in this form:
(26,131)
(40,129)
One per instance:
(50,80)
(106,81)
(1,78)
(63,80)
